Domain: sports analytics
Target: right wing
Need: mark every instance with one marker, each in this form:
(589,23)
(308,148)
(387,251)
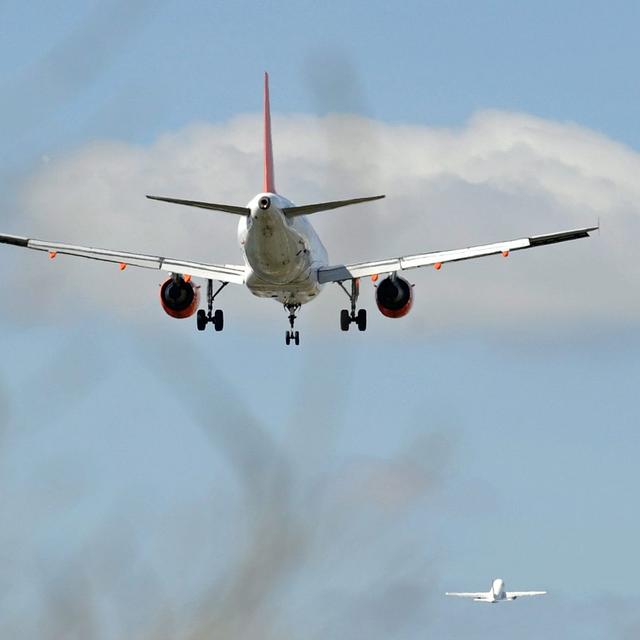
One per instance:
(463,594)
(340,273)
(521,594)
(223,273)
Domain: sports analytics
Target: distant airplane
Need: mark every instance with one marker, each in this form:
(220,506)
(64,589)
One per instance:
(284,258)
(496,593)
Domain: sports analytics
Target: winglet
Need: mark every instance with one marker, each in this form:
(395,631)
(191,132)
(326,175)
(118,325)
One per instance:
(269,177)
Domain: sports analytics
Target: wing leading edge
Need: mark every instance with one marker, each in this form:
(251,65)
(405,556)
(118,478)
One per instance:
(339,273)
(223,273)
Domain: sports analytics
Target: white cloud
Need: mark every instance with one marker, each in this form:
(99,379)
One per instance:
(500,176)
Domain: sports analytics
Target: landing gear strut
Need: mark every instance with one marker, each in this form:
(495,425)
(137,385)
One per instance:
(292,335)
(203,318)
(346,316)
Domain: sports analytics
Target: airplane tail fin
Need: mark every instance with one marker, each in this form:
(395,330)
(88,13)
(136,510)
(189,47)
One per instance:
(269,177)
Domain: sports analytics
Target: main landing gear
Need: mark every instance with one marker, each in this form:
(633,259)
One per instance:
(347,317)
(292,336)
(203,318)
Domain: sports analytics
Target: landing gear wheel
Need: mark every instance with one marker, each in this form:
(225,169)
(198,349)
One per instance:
(345,320)
(218,320)
(294,336)
(361,320)
(201,320)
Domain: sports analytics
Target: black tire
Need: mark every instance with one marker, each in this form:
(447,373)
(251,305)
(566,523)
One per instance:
(296,338)
(218,320)
(201,320)
(345,320)
(287,338)
(361,320)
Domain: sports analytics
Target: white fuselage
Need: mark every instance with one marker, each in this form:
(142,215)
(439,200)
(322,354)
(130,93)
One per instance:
(282,254)
(496,593)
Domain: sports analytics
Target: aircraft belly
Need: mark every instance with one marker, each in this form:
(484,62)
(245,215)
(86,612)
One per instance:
(277,255)
(299,291)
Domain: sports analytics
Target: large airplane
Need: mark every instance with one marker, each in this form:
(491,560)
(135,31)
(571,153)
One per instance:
(496,593)
(284,258)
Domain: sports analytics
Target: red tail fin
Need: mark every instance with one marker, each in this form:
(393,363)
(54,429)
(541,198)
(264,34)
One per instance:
(269,177)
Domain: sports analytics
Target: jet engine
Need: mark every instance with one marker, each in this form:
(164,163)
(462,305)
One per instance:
(179,297)
(394,296)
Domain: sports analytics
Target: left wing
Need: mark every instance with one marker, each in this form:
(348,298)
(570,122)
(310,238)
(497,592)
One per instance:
(479,594)
(339,273)
(520,594)
(223,273)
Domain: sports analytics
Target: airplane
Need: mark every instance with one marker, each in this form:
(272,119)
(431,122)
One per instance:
(496,594)
(284,258)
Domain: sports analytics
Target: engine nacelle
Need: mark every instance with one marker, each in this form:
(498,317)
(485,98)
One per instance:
(394,297)
(179,297)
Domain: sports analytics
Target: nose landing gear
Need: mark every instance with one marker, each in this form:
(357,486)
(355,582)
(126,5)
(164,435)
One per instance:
(292,335)
(203,318)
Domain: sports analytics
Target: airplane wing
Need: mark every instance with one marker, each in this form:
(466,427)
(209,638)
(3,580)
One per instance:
(521,594)
(223,273)
(339,273)
(463,594)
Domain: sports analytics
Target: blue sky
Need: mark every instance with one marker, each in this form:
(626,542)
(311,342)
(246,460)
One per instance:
(340,488)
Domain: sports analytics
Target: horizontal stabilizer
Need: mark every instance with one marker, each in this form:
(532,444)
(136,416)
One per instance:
(228,208)
(306,209)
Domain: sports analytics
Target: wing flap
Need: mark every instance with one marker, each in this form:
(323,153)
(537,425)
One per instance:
(224,273)
(339,273)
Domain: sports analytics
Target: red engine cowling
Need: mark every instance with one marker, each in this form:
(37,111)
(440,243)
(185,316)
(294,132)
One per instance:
(394,297)
(179,297)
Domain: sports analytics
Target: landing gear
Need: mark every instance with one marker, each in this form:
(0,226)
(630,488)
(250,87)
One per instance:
(292,335)
(203,318)
(346,316)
